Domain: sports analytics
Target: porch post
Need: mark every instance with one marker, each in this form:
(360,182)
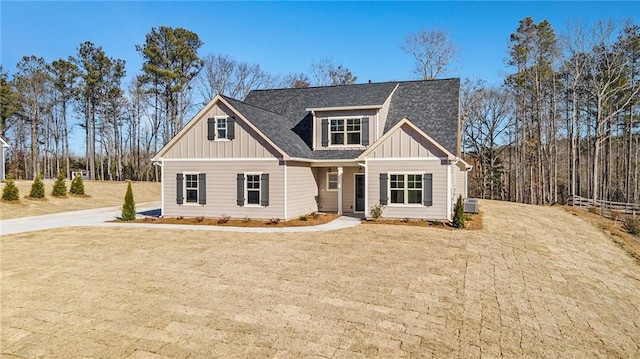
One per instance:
(340,190)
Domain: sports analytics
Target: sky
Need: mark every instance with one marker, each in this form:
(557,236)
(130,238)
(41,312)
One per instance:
(285,37)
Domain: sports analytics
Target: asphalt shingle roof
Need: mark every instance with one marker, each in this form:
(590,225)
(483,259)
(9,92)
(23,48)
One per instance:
(431,105)
(274,126)
(292,102)
(281,114)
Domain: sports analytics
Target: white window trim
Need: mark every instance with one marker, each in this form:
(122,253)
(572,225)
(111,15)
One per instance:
(184,189)
(226,126)
(246,189)
(406,189)
(345,132)
(327,184)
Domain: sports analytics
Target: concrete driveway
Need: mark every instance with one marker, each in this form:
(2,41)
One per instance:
(537,282)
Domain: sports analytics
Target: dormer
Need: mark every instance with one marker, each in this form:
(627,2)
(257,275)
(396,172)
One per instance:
(344,128)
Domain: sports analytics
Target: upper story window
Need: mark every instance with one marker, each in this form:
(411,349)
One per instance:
(221,128)
(345,131)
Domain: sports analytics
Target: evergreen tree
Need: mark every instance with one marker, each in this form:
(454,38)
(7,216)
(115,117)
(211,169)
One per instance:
(458,215)
(37,188)
(77,186)
(129,207)
(60,187)
(10,191)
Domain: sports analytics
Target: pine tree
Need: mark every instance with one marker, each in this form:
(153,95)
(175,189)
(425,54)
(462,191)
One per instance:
(129,207)
(458,215)
(10,192)
(60,187)
(77,186)
(37,188)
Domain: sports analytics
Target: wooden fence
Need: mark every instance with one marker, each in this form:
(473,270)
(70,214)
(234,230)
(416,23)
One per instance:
(606,208)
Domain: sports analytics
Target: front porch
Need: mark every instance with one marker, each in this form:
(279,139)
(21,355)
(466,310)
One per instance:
(341,189)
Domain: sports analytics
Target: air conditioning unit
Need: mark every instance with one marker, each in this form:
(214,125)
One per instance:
(471,205)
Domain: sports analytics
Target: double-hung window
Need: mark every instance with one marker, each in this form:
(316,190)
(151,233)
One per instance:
(191,188)
(221,128)
(332,181)
(346,131)
(405,188)
(253,189)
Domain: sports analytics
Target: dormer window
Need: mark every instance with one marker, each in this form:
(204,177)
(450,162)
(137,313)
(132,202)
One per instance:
(346,131)
(221,128)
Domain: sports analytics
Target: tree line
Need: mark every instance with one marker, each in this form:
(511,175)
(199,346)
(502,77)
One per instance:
(565,120)
(124,124)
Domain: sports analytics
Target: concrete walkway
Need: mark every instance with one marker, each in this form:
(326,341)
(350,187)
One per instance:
(100,216)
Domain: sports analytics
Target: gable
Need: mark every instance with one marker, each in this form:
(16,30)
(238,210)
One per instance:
(405,142)
(192,142)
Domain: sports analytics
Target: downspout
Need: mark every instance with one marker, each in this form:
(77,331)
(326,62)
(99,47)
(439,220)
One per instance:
(286,189)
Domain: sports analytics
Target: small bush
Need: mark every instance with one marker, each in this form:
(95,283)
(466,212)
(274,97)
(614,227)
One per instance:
(199,219)
(303,218)
(406,220)
(224,219)
(458,214)
(246,219)
(274,220)
(376,211)
(37,188)
(315,215)
(60,187)
(632,225)
(10,192)
(77,186)
(129,206)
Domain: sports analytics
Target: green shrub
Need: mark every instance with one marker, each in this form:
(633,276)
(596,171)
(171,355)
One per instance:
(10,192)
(458,214)
(37,188)
(77,186)
(303,218)
(129,207)
(376,211)
(632,225)
(60,187)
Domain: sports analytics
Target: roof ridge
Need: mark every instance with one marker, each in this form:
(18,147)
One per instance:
(356,84)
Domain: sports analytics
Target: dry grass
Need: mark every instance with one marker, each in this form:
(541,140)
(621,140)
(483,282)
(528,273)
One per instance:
(536,282)
(98,194)
(311,220)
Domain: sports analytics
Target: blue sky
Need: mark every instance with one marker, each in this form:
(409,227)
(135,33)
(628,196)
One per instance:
(286,37)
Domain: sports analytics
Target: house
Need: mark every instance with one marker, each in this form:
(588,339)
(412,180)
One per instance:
(283,153)
(3,148)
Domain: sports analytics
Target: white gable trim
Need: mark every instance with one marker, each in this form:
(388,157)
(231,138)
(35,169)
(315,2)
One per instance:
(4,143)
(201,113)
(404,121)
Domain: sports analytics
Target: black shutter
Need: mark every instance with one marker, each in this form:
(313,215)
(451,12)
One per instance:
(179,191)
(240,189)
(211,129)
(325,132)
(231,130)
(427,189)
(264,189)
(365,131)
(383,189)
(202,188)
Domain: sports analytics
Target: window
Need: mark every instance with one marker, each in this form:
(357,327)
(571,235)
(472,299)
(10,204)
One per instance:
(221,128)
(405,188)
(345,131)
(191,188)
(332,181)
(253,189)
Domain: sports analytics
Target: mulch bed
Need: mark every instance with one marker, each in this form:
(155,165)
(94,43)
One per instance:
(474,222)
(309,220)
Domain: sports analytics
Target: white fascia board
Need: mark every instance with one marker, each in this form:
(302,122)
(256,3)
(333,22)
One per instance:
(344,108)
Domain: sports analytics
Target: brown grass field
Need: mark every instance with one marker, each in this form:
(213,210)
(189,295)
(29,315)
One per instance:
(534,282)
(99,194)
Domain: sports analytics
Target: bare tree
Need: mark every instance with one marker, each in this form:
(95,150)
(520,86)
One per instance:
(324,73)
(432,51)
(223,74)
